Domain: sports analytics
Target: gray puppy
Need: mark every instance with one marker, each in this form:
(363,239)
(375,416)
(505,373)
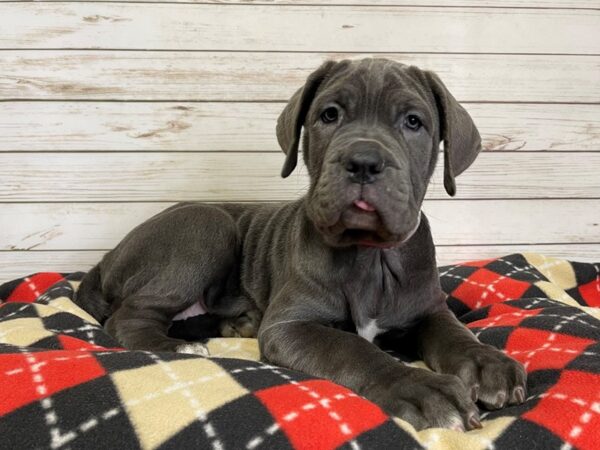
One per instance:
(356,249)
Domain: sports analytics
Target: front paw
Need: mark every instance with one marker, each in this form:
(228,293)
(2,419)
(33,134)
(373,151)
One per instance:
(427,400)
(494,379)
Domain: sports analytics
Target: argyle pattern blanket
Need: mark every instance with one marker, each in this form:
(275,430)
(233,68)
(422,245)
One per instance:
(64,383)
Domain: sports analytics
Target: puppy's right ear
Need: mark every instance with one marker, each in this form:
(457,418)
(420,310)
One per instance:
(291,119)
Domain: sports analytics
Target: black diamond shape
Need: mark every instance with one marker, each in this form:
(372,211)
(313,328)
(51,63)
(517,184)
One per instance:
(526,435)
(252,421)
(386,435)
(455,277)
(92,411)
(496,336)
(588,361)
(123,360)
(17,310)
(516,267)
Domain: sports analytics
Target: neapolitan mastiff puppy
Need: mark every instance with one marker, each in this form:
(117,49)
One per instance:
(356,249)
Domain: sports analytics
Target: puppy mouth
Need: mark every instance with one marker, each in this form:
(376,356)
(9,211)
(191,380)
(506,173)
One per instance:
(361,223)
(364,206)
(361,216)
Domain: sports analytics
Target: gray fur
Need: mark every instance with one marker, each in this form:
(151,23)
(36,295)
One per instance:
(327,259)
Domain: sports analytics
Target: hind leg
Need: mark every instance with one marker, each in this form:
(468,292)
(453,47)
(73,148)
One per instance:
(246,325)
(142,321)
(168,264)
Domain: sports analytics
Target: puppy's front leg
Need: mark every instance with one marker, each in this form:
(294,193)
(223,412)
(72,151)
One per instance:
(298,339)
(447,346)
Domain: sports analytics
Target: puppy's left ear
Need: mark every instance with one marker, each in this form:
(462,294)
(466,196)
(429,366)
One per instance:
(291,120)
(462,142)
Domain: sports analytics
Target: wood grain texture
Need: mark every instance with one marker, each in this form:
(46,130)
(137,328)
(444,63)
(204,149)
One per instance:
(17,264)
(587,4)
(110,111)
(298,28)
(255,177)
(256,76)
(100,226)
(227,127)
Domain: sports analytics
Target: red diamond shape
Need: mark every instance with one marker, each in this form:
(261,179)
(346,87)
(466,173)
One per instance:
(484,287)
(319,414)
(591,292)
(502,315)
(34,286)
(540,349)
(25,378)
(71,343)
(571,409)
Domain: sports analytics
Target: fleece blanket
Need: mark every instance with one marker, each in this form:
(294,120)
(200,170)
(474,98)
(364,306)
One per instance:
(64,383)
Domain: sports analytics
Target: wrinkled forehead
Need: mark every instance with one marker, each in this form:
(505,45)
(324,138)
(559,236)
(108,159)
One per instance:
(374,84)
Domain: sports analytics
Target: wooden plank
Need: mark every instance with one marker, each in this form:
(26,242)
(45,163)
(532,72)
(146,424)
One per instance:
(115,126)
(19,264)
(255,176)
(493,222)
(587,4)
(92,226)
(256,76)
(16,264)
(298,28)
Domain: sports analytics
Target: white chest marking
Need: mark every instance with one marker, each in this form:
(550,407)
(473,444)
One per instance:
(370,330)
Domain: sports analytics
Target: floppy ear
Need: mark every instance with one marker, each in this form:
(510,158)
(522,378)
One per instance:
(462,142)
(291,119)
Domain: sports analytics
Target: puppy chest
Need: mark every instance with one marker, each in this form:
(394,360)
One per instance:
(380,299)
(399,312)
(369,301)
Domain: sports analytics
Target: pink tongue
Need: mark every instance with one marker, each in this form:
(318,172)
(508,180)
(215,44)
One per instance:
(361,204)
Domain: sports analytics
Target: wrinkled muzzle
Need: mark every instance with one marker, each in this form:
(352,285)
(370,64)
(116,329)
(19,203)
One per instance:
(363,194)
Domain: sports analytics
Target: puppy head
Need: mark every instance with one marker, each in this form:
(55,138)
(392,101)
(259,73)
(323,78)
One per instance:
(372,130)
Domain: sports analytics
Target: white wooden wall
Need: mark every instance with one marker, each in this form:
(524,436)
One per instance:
(111,111)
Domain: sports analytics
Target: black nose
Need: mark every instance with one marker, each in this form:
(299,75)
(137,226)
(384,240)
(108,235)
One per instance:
(364,166)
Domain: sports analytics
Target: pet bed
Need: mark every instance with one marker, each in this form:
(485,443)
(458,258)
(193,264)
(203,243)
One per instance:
(64,383)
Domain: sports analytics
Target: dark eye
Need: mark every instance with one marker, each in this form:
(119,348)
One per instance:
(413,122)
(330,115)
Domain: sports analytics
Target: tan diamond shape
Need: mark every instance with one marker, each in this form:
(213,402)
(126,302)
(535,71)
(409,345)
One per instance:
(22,332)
(555,293)
(163,398)
(239,348)
(63,304)
(558,271)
